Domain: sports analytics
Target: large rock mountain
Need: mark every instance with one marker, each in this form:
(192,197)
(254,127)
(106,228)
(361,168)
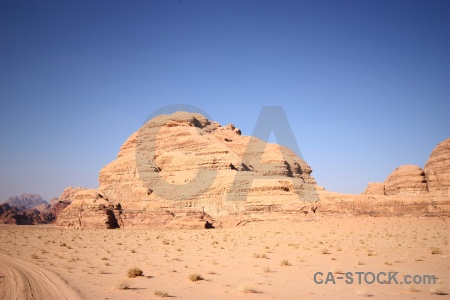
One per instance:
(161,160)
(185,171)
(25,201)
(31,209)
(182,167)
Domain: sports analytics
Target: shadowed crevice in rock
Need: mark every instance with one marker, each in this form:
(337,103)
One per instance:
(209,225)
(112,221)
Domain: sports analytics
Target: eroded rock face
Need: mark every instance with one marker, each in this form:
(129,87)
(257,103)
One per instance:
(374,188)
(169,150)
(67,195)
(437,169)
(89,209)
(92,209)
(161,161)
(184,169)
(406,179)
(53,210)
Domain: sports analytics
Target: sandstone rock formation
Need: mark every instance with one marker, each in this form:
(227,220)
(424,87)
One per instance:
(56,205)
(185,169)
(67,195)
(423,205)
(92,209)
(374,188)
(88,209)
(406,179)
(159,161)
(25,201)
(437,169)
(408,190)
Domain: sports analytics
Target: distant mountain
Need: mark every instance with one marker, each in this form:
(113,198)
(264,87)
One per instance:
(25,201)
(30,209)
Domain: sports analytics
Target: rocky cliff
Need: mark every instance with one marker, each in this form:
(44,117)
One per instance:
(437,169)
(185,171)
(183,167)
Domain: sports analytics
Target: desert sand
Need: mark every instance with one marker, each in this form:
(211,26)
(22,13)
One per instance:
(271,259)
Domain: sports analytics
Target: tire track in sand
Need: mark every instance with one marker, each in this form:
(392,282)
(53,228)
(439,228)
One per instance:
(20,279)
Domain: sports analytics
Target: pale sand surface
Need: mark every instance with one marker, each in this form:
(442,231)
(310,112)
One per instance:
(91,263)
(24,280)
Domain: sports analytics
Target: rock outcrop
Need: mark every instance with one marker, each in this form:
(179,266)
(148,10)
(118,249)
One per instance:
(88,209)
(185,169)
(92,209)
(408,190)
(374,188)
(437,169)
(68,195)
(161,160)
(406,179)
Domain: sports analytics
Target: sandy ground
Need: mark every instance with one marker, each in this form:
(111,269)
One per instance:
(264,260)
(24,280)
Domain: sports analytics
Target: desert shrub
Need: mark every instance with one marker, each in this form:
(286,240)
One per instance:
(255,255)
(122,285)
(162,294)
(436,250)
(195,277)
(248,289)
(438,291)
(412,288)
(134,272)
(285,262)
(325,251)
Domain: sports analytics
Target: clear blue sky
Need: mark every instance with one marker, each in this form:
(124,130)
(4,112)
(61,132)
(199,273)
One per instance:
(365,84)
